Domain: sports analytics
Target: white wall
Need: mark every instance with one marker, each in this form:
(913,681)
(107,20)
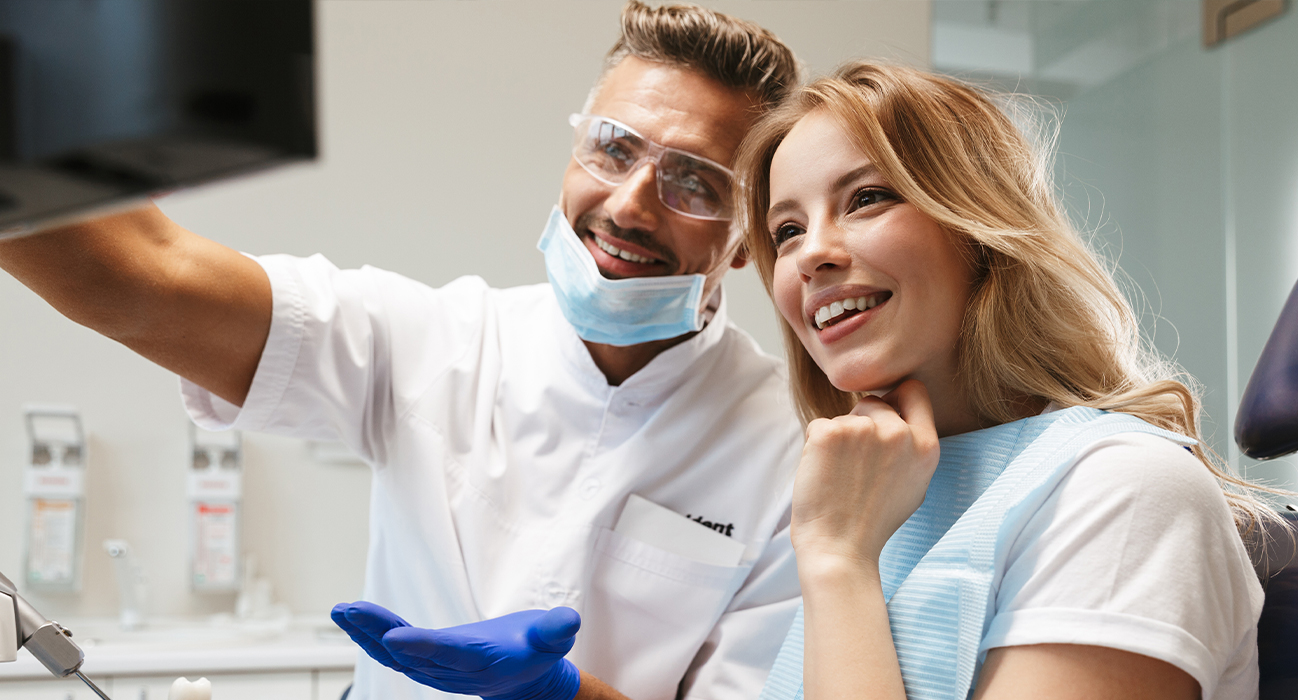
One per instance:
(444,137)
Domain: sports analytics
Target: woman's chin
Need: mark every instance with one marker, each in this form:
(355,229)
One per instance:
(872,388)
(859,370)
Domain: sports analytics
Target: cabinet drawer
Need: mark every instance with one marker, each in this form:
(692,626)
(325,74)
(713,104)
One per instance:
(243,686)
(329,685)
(54,689)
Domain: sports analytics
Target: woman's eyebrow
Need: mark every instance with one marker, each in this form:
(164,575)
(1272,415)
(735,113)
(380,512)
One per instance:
(781,207)
(851,176)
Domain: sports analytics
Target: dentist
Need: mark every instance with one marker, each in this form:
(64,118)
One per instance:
(532,448)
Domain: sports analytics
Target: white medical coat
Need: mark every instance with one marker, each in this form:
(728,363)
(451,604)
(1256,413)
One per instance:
(502,460)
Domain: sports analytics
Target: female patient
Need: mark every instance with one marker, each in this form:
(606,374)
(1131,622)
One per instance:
(1002,489)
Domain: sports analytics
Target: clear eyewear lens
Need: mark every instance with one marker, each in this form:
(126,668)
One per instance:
(608,149)
(687,184)
(693,187)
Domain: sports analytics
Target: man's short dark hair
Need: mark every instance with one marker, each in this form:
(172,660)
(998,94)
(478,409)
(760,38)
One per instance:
(734,52)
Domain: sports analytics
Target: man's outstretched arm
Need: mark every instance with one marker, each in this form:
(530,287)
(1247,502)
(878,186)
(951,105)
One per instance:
(191,305)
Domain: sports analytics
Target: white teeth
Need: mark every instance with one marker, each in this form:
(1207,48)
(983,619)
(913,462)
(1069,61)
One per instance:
(836,309)
(619,253)
(182,689)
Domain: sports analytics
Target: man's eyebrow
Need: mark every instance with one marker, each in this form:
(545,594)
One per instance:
(839,183)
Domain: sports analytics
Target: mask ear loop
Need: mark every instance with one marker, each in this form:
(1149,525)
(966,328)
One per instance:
(734,248)
(710,307)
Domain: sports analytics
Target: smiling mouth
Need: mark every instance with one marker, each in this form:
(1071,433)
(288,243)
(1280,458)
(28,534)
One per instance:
(843,309)
(623,254)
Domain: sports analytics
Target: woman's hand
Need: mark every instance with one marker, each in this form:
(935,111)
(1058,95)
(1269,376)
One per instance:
(862,475)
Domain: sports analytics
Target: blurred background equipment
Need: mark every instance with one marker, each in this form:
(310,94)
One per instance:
(104,102)
(55,486)
(132,586)
(22,627)
(215,489)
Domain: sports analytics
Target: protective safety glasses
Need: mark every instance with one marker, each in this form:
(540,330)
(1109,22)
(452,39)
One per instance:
(688,184)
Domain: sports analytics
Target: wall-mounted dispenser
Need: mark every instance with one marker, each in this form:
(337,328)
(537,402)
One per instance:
(215,491)
(55,487)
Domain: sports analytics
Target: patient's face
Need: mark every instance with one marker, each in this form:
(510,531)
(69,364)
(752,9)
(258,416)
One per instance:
(875,290)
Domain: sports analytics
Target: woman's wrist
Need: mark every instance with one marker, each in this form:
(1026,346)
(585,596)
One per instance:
(836,549)
(821,568)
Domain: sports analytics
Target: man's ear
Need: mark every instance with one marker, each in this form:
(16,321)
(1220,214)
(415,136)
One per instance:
(740,259)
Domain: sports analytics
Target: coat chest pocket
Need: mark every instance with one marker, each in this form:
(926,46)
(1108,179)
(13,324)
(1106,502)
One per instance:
(647,612)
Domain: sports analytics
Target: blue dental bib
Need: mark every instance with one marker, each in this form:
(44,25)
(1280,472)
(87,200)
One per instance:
(942,567)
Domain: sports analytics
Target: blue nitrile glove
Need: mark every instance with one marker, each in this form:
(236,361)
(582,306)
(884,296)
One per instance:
(513,657)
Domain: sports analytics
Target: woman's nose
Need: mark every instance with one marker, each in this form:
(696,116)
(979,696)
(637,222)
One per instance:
(821,250)
(634,203)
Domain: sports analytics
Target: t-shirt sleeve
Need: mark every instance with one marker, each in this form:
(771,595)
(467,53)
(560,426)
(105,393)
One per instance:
(327,370)
(1136,550)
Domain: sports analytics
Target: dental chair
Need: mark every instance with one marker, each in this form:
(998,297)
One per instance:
(1267,427)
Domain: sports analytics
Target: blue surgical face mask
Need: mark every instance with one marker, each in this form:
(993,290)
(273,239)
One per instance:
(616,312)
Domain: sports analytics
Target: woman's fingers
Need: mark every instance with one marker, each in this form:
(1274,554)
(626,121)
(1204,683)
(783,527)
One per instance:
(907,403)
(910,400)
(869,405)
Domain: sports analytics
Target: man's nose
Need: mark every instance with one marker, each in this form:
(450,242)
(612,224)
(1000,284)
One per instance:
(634,203)
(822,249)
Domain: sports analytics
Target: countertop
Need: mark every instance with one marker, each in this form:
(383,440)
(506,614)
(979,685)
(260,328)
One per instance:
(178,647)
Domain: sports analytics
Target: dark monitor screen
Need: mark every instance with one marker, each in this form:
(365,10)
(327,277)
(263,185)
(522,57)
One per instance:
(108,101)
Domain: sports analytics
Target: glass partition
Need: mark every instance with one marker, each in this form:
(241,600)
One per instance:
(1180,160)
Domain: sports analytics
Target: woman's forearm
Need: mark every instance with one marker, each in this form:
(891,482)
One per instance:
(847,643)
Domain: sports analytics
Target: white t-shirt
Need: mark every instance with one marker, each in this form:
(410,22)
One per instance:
(502,460)
(1135,550)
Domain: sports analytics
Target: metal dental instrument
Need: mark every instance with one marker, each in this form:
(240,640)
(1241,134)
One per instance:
(93,687)
(21,626)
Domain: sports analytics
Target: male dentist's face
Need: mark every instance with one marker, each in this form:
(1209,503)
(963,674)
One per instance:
(674,107)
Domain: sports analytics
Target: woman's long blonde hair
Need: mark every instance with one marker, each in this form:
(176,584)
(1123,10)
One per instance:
(1046,322)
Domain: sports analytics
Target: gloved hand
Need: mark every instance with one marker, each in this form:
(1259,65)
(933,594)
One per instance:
(513,657)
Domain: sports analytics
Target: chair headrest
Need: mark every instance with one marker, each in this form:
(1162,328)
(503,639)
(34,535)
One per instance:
(1267,423)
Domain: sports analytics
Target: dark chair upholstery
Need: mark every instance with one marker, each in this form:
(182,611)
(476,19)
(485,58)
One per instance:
(1267,423)
(1267,427)
(1277,629)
